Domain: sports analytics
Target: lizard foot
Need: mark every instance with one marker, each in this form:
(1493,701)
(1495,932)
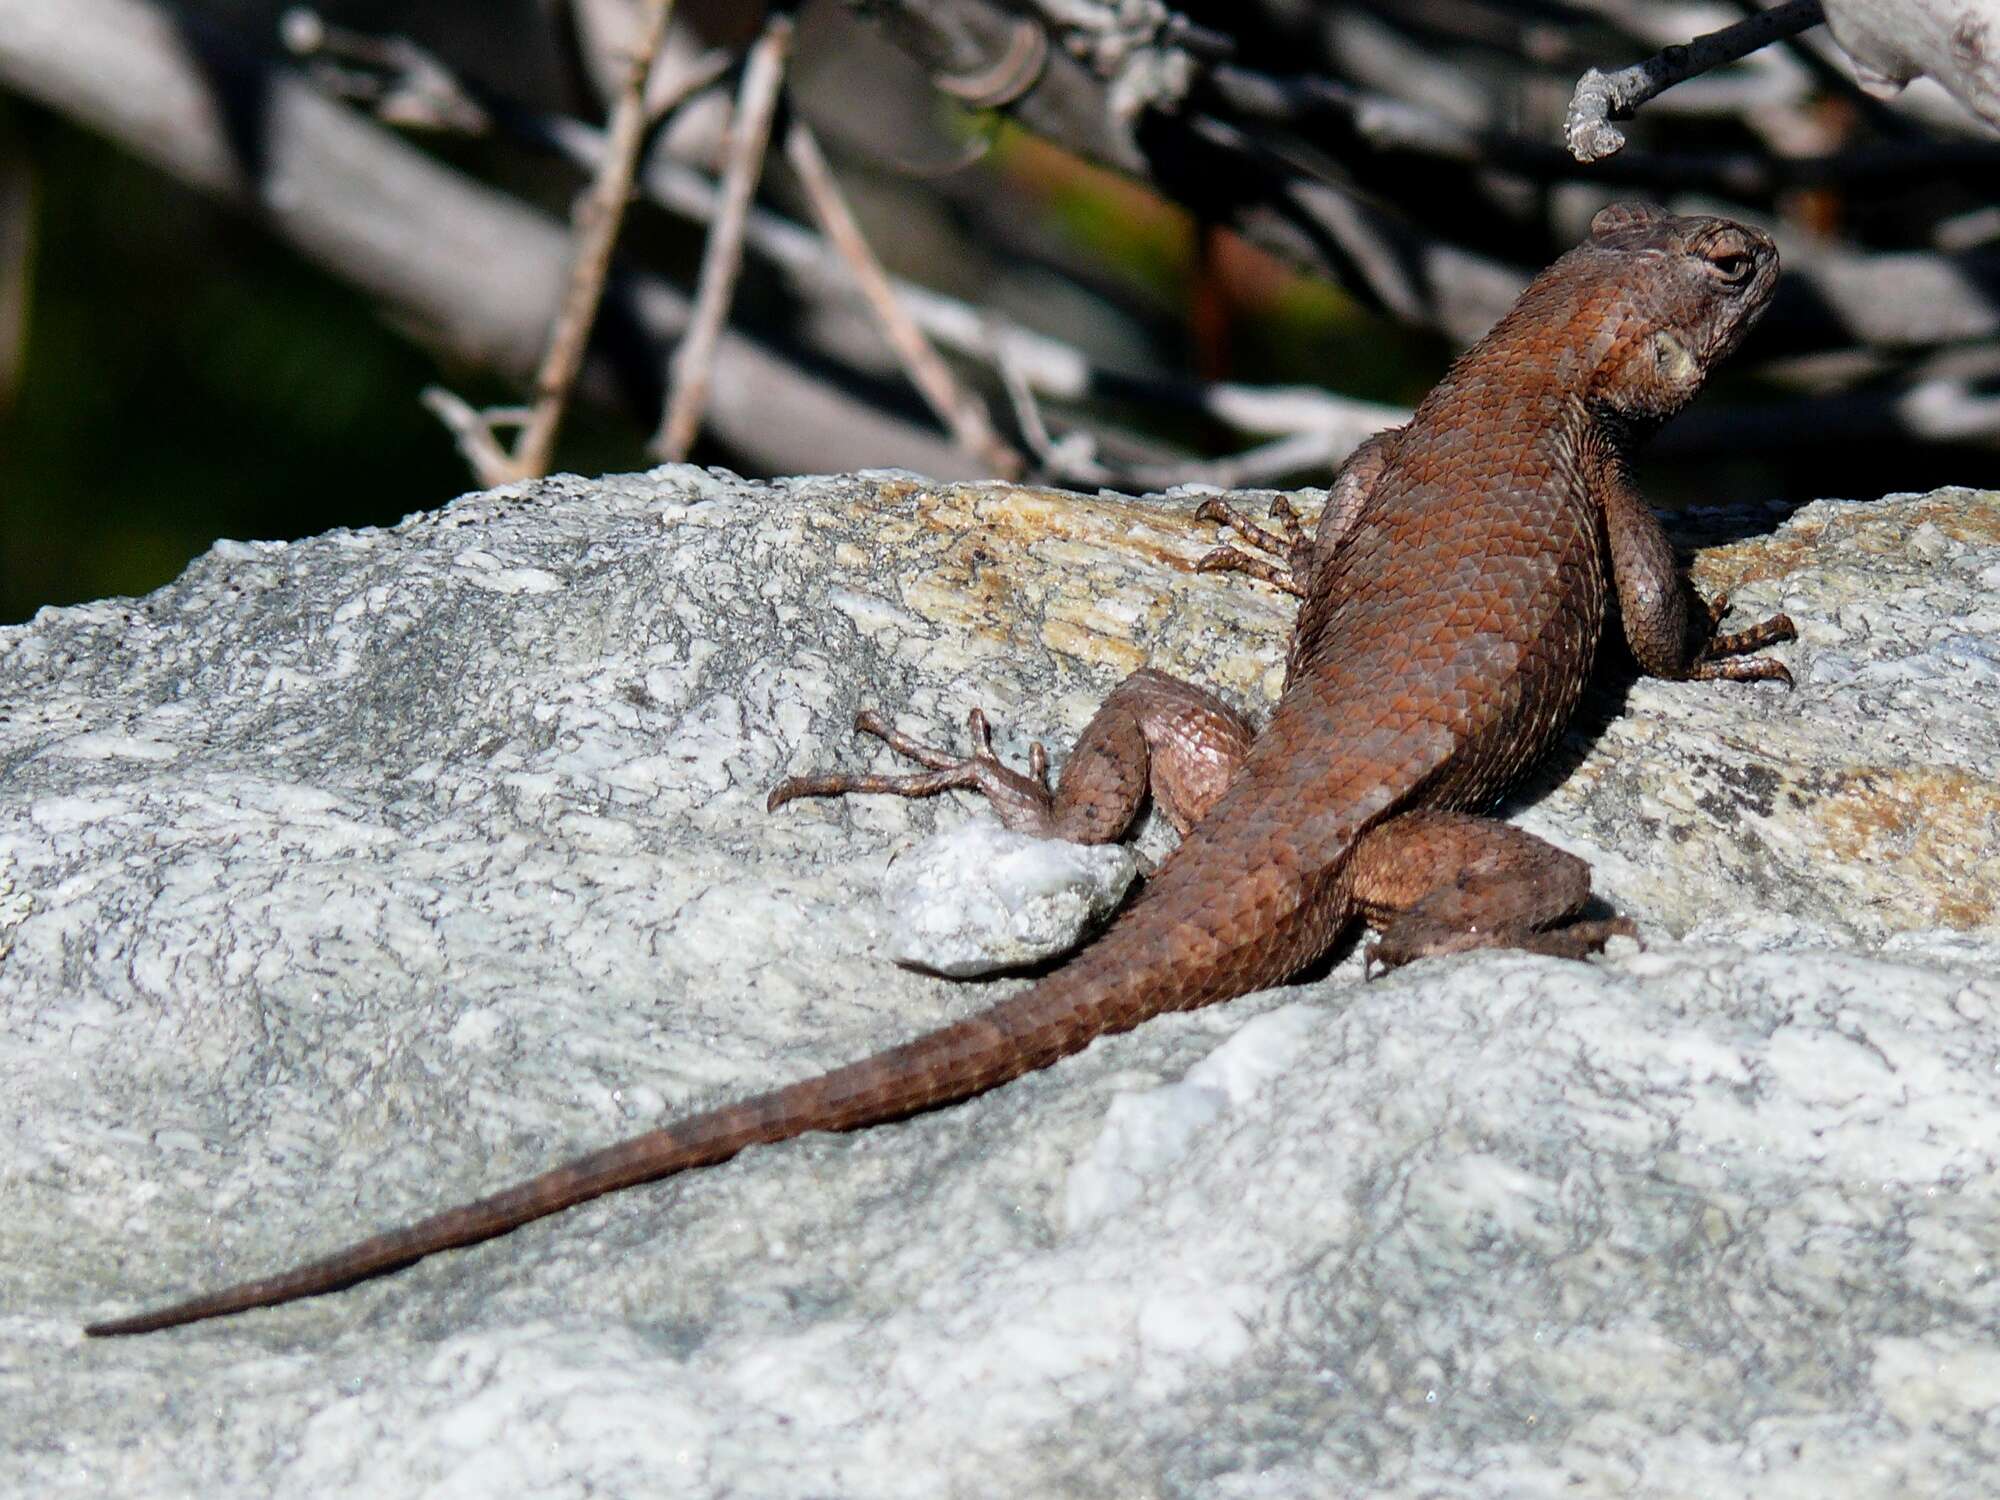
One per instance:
(1726,657)
(1408,940)
(1288,543)
(1023,802)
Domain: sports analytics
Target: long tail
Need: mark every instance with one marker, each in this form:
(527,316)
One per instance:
(1099,992)
(1229,912)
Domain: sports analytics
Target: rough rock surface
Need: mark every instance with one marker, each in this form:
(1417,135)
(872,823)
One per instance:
(977,899)
(342,880)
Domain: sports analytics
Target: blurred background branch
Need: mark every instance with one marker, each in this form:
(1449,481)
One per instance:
(1131,244)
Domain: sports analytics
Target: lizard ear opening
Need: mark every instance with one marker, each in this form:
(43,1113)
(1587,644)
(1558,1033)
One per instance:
(1616,216)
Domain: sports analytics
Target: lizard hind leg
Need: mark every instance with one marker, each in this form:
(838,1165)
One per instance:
(1154,734)
(1022,800)
(1434,882)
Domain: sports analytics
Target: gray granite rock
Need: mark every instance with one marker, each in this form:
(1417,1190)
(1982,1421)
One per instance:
(977,899)
(342,880)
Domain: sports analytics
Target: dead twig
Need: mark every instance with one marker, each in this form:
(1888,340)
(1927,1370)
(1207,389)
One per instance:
(471,271)
(667,91)
(598,214)
(401,82)
(474,431)
(1602,97)
(722,255)
(961,412)
(1051,368)
(1073,457)
(1340,116)
(1318,453)
(406,85)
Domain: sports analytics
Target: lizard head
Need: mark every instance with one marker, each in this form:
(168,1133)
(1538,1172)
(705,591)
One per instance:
(1676,294)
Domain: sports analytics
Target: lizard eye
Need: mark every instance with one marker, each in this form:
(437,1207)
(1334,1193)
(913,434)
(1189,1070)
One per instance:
(1731,265)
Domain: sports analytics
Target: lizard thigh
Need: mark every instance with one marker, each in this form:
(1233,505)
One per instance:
(1153,733)
(1434,882)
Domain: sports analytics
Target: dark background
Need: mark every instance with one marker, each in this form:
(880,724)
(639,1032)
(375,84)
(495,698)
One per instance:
(171,374)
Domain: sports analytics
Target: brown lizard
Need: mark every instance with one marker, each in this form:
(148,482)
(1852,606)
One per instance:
(1452,600)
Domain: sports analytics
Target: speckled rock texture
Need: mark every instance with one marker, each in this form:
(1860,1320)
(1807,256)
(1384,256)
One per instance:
(343,880)
(977,899)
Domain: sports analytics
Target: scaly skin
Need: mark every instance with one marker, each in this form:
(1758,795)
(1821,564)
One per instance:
(1451,607)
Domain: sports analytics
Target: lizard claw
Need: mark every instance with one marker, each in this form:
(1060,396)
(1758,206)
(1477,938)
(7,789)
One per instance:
(1726,657)
(1576,940)
(1022,801)
(1288,543)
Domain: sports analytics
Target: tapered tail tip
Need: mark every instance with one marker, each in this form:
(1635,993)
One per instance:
(118,1327)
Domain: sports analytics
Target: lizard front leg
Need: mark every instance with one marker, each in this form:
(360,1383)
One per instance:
(1289,561)
(1670,629)
(1154,734)
(1298,558)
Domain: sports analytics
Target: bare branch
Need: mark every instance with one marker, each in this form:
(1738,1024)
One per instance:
(401,82)
(667,89)
(1832,296)
(599,212)
(1074,459)
(1283,458)
(483,275)
(722,256)
(1328,430)
(1601,97)
(960,411)
(1339,116)
(473,431)
(1958,411)
(467,268)
(1051,368)
(1279,198)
